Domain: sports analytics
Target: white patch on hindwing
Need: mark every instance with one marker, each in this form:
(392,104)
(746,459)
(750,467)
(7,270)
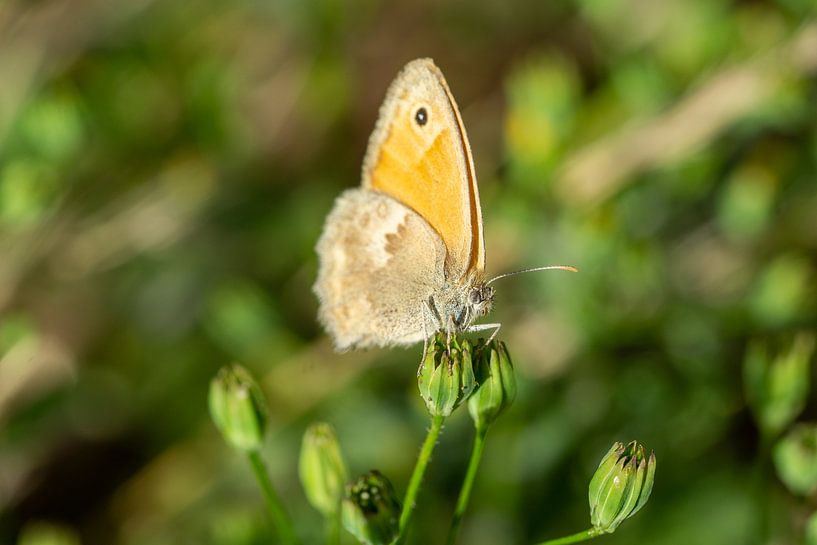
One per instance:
(382,222)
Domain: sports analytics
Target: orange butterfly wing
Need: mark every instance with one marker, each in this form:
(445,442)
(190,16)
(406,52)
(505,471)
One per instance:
(419,154)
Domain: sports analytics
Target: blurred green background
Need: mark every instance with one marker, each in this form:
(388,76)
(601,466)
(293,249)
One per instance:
(165,169)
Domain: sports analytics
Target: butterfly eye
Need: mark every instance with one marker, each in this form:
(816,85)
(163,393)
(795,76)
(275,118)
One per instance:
(475,297)
(421,117)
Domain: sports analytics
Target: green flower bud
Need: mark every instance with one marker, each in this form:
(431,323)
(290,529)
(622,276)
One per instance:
(777,386)
(795,457)
(370,510)
(446,376)
(621,486)
(497,384)
(237,408)
(321,468)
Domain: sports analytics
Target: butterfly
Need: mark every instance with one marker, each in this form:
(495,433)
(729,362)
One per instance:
(402,257)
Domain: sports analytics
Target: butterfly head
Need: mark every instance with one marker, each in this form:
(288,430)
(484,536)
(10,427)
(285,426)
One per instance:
(480,300)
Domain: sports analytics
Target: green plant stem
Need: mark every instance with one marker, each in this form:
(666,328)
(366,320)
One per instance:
(418,473)
(333,528)
(274,504)
(467,484)
(575,538)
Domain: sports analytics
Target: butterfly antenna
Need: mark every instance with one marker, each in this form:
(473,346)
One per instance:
(534,269)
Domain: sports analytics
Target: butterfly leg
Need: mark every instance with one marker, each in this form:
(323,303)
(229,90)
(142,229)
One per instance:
(435,314)
(452,326)
(423,359)
(429,314)
(484,327)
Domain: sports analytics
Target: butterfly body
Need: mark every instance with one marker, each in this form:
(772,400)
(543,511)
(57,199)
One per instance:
(383,279)
(403,256)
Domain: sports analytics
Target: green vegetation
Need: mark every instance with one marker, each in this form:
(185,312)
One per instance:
(165,169)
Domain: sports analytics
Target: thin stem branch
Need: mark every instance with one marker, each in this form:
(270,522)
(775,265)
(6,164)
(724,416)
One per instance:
(575,538)
(418,473)
(467,484)
(333,528)
(274,505)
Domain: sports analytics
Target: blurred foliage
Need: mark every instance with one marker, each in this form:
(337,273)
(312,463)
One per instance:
(165,168)
(39,533)
(796,459)
(777,387)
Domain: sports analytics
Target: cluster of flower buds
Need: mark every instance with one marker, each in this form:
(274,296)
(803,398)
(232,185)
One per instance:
(454,371)
(621,486)
(370,510)
(238,408)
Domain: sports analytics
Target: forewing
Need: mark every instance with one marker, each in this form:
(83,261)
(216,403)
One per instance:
(428,167)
